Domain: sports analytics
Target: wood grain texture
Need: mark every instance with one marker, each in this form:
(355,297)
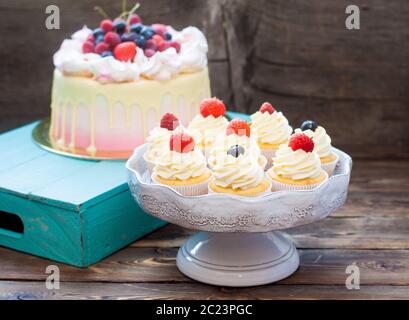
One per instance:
(296,54)
(154,265)
(300,56)
(137,291)
(370,231)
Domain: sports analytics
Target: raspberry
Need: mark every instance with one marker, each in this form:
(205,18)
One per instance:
(239,127)
(125,51)
(101,47)
(112,39)
(134,19)
(150,44)
(158,39)
(160,29)
(163,46)
(267,107)
(301,141)
(88,47)
(181,142)
(212,106)
(169,121)
(149,52)
(106,25)
(176,45)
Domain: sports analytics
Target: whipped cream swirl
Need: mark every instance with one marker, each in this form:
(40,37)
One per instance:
(242,172)
(322,141)
(158,142)
(224,143)
(205,130)
(172,165)
(296,165)
(194,47)
(162,66)
(270,128)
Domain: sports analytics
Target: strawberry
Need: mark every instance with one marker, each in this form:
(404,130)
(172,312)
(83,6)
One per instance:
(301,141)
(267,107)
(169,121)
(125,51)
(212,106)
(181,142)
(239,127)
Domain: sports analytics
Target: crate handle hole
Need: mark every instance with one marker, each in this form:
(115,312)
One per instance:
(10,222)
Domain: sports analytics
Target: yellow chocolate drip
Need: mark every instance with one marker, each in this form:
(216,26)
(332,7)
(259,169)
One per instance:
(148,95)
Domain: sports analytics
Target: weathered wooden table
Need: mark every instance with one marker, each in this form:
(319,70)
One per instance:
(371,230)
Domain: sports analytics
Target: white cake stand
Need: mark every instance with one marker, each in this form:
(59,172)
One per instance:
(239,243)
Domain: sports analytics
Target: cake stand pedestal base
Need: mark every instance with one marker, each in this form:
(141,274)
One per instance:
(238,259)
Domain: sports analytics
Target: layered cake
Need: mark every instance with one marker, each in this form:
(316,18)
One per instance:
(111,84)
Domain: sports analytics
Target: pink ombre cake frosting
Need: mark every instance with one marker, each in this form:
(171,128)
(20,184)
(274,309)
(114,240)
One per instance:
(111,84)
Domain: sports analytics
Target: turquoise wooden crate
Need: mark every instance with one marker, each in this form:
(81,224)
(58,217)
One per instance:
(72,211)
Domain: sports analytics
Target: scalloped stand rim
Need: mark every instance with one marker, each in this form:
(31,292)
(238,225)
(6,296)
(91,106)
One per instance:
(238,259)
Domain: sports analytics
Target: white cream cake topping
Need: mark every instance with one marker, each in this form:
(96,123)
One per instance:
(172,165)
(242,172)
(296,165)
(322,141)
(205,130)
(223,144)
(161,66)
(270,128)
(157,141)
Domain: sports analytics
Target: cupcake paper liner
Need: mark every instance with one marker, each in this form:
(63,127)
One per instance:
(196,189)
(329,167)
(279,186)
(268,191)
(269,154)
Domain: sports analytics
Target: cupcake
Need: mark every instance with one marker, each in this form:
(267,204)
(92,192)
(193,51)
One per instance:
(209,124)
(296,166)
(237,133)
(237,172)
(182,167)
(158,139)
(322,143)
(271,129)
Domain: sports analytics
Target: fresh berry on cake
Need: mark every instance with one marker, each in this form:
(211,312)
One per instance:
(237,172)
(322,143)
(237,133)
(182,166)
(271,128)
(209,124)
(112,82)
(296,165)
(158,138)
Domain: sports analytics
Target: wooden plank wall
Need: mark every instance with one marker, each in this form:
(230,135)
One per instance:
(296,54)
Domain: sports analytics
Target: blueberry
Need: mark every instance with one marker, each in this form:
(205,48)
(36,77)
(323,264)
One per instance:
(140,41)
(133,36)
(106,54)
(309,124)
(126,37)
(147,32)
(168,36)
(119,26)
(99,39)
(236,150)
(98,32)
(137,27)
